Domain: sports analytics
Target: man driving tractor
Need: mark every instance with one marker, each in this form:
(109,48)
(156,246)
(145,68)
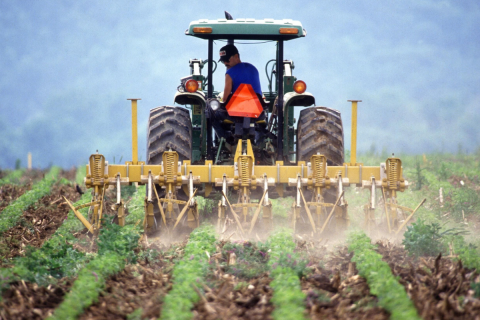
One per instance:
(237,73)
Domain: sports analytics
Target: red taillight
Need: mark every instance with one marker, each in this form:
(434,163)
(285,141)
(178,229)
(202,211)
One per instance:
(191,85)
(299,86)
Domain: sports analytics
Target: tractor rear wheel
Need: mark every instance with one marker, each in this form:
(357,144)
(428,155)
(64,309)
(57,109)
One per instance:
(169,128)
(320,130)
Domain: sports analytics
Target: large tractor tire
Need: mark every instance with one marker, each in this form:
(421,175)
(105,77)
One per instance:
(169,128)
(320,130)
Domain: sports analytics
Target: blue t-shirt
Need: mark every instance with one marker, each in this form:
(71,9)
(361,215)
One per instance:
(245,72)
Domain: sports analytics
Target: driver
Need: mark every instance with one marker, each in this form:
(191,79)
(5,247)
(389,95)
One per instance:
(238,72)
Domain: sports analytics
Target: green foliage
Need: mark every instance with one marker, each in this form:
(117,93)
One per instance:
(128,191)
(136,208)
(281,207)
(206,206)
(467,252)
(11,214)
(251,259)
(420,179)
(135,315)
(422,239)
(116,246)
(149,255)
(391,294)
(464,201)
(188,272)
(56,258)
(285,269)
(80,175)
(58,261)
(91,280)
(443,172)
(121,240)
(476,289)
(12,178)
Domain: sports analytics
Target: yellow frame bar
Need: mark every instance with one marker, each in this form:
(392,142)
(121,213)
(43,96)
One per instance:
(208,173)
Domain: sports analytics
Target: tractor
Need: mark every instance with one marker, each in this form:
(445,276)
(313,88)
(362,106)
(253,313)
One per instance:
(266,156)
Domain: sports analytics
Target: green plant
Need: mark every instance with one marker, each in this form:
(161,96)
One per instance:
(116,246)
(420,179)
(464,201)
(206,206)
(12,214)
(56,258)
(86,288)
(422,239)
(12,178)
(391,294)
(251,259)
(135,315)
(136,207)
(443,173)
(188,272)
(149,256)
(80,175)
(121,240)
(281,207)
(283,263)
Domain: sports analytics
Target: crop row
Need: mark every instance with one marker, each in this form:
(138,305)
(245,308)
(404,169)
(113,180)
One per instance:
(115,247)
(190,271)
(391,294)
(10,215)
(12,178)
(286,269)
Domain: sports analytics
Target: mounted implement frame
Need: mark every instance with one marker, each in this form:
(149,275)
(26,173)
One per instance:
(244,177)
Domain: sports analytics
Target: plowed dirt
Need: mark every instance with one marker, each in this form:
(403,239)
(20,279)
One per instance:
(440,288)
(38,223)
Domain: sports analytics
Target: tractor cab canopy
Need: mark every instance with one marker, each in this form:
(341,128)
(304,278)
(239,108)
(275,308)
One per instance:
(246,29)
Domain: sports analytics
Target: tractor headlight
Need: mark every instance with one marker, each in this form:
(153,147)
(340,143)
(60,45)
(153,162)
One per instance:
(214,104)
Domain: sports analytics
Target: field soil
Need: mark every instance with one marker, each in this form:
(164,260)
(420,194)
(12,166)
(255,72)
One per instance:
(440,287)
(38,222)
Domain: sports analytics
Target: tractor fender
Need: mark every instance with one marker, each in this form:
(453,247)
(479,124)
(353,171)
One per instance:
(195,98)
(293,99)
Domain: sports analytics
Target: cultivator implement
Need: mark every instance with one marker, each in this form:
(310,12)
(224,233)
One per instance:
(311,182)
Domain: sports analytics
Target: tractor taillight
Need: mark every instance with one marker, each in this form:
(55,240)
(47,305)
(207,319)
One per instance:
(299,86)
(288,31)
(191,85)
(202,29)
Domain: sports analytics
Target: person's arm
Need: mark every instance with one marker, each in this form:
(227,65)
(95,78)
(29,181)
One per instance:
(228,87)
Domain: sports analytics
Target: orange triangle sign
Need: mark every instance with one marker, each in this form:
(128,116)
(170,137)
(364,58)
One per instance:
(244,103)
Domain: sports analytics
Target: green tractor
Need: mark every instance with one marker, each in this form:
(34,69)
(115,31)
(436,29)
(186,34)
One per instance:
(265,156)
(189,131)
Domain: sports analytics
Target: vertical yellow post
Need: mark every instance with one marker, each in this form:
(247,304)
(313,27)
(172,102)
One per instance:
(134,131)
(353,149)
(29,163)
